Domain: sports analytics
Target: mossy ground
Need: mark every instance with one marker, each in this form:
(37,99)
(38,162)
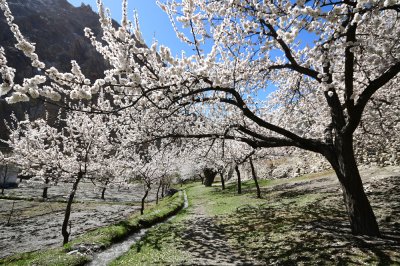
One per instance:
(295,222)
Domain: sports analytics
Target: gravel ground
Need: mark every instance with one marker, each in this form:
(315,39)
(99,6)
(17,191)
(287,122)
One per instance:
(35,225)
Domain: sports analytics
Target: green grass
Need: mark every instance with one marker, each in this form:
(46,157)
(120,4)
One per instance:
(102,237)
(164,245)
(160,246)
(45,258)
(105,236)
(290,225)
(250,185)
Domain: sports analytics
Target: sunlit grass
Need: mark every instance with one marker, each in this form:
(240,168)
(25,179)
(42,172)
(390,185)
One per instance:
(289,225)
(160,246)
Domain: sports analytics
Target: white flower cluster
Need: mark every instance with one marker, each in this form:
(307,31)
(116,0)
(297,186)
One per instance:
(22,44)
(7,74)
(276,75)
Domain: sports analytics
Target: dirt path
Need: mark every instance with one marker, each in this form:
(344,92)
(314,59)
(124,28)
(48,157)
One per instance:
(297,221)
(207,241)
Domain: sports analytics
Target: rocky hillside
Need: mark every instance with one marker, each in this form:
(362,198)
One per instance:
(57,29)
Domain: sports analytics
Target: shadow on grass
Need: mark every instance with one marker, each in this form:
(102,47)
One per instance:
(208,242)
(202,238)
(297,225)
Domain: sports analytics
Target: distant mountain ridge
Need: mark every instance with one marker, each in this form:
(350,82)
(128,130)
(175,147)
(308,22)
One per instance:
(56,27)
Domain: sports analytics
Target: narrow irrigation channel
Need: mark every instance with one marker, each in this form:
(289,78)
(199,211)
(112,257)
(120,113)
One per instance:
(105,257)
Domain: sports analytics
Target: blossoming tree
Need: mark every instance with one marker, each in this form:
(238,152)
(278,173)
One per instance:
(67,154)
(324,61)
(35,150)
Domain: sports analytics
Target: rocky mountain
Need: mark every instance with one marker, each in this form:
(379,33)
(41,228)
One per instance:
(57,29)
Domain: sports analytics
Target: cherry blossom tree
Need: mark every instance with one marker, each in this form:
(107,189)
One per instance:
(35,150)
(323,87)
(85,139)
(322,63)
(66,154)
(377,138)
(150,165)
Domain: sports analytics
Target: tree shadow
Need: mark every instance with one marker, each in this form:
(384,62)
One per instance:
(291,228)
(207,241)
(296,224)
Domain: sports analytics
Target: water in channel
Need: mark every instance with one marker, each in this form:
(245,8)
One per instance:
(106,256)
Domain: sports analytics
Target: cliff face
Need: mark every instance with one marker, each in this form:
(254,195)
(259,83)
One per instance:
(57,29)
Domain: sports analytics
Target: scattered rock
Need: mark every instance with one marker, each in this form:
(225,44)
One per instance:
(73,252)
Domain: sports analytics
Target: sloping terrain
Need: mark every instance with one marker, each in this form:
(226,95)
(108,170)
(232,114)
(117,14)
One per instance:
(57,29)
(298,221)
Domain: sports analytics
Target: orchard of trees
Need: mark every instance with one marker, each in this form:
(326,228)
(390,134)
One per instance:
(266,77)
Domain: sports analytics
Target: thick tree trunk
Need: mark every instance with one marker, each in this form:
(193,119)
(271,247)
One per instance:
(209,176)
(64,229)
(44,194)
(45,189)
(361,216)
(143,201)
(103,191)
(239,181)
(162,190)
(222,180)
(254,174)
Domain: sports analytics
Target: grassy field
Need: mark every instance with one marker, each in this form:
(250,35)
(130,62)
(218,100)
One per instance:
(298,221)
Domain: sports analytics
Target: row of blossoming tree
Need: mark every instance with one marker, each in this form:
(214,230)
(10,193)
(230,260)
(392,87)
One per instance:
(87,147)
(329,69)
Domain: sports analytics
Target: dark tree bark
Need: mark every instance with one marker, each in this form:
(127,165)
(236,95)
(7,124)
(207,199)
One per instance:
(254,174)
(163,190)
(158,191)
(103,191)
(202,179)
(222,180)
(143,201)
(239,181)
(361,216)
(64,229)
(44,193)
(45,189)
(209,176)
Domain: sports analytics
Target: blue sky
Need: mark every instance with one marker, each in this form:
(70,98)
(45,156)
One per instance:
(153,21)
